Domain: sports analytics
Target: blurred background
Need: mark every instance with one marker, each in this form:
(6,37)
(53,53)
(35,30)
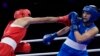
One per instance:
(42,8)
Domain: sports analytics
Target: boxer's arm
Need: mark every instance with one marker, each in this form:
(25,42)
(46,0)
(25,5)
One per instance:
(63,31)
(87,35)
(48,38)
(43,20)
(29,20)
(62,19)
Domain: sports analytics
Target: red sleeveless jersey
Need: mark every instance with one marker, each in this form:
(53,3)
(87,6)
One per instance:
(16,33)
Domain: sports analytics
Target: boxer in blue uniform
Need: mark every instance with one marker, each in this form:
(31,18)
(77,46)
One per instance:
(82,31)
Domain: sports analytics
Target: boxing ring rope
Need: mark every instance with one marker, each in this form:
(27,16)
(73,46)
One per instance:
(52,53)
(58,38)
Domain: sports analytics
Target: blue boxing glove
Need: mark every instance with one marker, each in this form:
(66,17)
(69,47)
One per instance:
(48,38)
(74,20)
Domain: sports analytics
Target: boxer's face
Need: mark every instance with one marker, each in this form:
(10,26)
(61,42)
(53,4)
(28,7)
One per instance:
(86,16)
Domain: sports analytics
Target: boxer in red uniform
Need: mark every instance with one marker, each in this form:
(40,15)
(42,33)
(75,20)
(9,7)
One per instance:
(16,30)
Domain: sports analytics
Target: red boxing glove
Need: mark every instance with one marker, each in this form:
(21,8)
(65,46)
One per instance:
(65,20)
(23,47)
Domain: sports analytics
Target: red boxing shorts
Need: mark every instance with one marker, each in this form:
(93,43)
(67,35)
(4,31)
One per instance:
(6,50)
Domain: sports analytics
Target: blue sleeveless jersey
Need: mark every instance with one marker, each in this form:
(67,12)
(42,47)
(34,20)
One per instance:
(82,29)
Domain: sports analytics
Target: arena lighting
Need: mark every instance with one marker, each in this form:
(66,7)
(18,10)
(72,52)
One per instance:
(4,5)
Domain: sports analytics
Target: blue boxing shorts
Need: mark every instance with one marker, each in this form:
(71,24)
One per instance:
(67,50)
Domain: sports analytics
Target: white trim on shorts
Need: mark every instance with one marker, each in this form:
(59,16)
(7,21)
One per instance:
(9,41)
(75,45)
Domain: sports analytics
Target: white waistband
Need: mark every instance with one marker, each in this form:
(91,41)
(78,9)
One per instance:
(75,45)
(10,42)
